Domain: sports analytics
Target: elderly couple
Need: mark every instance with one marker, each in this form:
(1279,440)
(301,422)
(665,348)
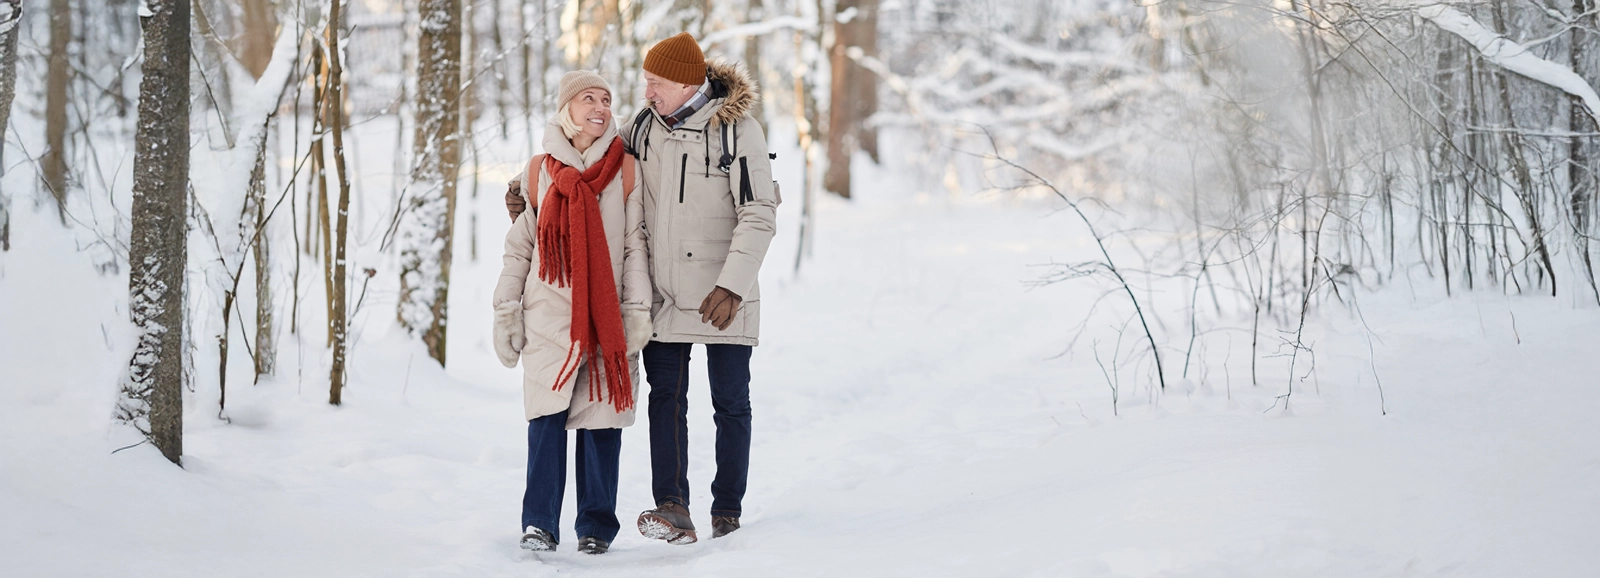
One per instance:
(645,244)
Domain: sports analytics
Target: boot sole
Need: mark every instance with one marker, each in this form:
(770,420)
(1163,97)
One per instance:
(657,528)
(537,547)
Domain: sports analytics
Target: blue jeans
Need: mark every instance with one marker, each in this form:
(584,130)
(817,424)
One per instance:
(598,454)
(666,367)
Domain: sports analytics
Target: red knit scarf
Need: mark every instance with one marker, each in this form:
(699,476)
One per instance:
(573,252)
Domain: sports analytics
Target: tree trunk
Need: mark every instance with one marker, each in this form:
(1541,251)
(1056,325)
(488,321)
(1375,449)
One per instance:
(55,107)
(319,174)
(213,72)
(865,81)
(523,10)
(502,86)
(805,121)
(266,347)
(152,393)
(260,29)
(755,12)
(544,60)
(426,238)
(1581,165)
(853,95)
(469,110)
(10,18)
(841,114)
(338,323)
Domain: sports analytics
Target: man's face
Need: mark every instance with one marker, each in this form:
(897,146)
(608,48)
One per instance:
(666,96)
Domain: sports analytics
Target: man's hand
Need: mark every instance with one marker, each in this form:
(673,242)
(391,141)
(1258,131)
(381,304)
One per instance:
(719,307)
(514,202)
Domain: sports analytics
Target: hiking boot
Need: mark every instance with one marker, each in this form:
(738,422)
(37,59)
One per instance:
(538,540)
(723,525)
(593,545)
(670,522)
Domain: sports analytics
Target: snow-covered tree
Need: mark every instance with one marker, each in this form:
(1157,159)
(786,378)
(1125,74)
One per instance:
(152,392)
(426,235)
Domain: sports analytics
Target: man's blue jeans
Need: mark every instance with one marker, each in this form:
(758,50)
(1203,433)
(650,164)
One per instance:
(666,367)
(598,454)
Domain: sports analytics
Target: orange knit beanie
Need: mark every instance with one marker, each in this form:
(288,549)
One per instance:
(677,59)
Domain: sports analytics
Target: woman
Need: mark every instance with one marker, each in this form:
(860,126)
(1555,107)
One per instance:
(558,311)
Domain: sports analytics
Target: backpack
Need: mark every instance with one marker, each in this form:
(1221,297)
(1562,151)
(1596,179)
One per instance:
(726,164)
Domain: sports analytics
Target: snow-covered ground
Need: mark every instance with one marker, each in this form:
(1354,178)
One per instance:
(913,417)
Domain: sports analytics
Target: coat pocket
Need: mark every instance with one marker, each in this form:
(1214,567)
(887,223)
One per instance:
(699,265)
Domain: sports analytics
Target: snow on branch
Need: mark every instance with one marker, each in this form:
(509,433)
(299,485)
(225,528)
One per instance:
(759,29)
(1045,56)
(1512,56)
(223,195)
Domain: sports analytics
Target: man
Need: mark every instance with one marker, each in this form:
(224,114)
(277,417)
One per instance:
(706,212)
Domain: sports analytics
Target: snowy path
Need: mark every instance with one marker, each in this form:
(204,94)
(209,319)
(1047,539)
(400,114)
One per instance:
(909,422)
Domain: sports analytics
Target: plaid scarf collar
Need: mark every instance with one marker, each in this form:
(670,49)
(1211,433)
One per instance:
(696,102)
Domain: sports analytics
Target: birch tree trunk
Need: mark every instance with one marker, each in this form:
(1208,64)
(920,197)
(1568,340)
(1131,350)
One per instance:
(426,238)
(10,18)
(152,393)
(55,107)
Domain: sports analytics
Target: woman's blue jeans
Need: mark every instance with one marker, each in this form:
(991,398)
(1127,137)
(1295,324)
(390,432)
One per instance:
(598,454)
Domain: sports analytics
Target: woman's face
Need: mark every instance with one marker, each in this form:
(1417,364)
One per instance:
(591,110)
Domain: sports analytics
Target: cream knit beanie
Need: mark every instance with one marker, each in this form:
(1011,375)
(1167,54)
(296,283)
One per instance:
(578,81)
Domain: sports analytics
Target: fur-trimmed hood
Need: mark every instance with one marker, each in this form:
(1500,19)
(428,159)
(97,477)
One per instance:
(732,83)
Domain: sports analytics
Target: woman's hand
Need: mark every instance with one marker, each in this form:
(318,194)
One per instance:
(508,333)
(636,324)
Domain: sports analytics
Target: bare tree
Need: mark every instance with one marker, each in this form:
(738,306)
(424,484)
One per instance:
(426,234)
(152,393)
(338,323)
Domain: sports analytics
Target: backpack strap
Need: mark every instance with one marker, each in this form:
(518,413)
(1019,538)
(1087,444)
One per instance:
(627,176)
(530,181)
(726,162)
(638,138)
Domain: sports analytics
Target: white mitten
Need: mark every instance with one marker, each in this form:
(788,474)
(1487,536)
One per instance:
(636,323)
(508,333)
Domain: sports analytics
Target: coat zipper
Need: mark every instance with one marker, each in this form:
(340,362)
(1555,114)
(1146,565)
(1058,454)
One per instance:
(683,169)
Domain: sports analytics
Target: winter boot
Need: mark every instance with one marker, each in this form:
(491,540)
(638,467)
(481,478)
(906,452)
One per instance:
(593,545)
(723,525)
(670,522)
(538,540)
